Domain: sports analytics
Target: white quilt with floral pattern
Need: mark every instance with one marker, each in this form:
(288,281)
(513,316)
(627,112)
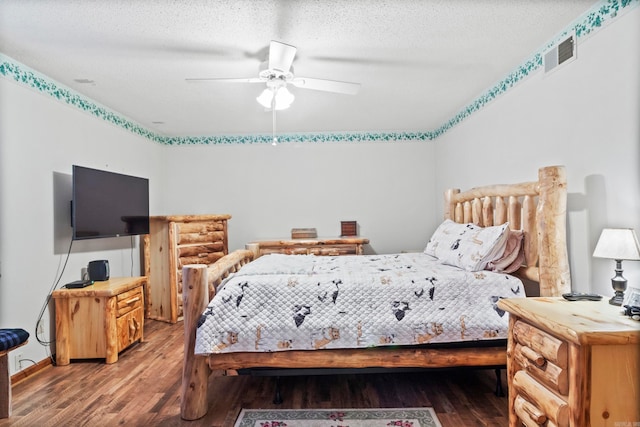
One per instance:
(299,302)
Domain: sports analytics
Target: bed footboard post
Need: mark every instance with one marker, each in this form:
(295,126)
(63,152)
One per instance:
(195,369)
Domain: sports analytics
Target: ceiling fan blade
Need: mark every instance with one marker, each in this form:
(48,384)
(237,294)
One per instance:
(359,61)
(281,56)
(225,80)
(405,62)
(326,85)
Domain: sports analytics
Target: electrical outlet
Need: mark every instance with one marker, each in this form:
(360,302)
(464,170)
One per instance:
(18,358)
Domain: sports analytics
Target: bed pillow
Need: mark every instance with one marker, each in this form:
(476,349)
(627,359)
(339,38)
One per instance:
(467,246)
(513,256)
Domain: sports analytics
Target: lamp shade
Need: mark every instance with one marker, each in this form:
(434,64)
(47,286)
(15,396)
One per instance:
(618,243)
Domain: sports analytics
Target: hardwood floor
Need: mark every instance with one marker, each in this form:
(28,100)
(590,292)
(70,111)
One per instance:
(143,389)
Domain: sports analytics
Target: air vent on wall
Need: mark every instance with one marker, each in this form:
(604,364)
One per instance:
(561,53)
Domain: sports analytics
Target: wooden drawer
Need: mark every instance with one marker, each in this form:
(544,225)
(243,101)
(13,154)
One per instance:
(203,259)
(542,343)
(199,257)
(542,355)
(537,405)
(200,232)
(200,250)
(334,250)
(284,250)
(130,300)
(529,414)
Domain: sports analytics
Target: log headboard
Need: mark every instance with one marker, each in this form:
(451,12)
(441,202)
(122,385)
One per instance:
(538,208)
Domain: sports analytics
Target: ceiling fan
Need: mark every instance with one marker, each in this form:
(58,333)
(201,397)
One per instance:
(277,73)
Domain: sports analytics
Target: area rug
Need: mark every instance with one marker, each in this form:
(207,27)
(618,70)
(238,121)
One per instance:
(385,417)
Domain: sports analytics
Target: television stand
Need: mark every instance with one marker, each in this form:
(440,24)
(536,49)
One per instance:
(100,320)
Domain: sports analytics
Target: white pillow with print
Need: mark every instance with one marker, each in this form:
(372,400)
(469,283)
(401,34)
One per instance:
(467,246)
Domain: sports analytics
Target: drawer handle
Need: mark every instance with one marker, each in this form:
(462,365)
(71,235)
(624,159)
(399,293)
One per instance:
(132,300)
(535,357)
(133,327)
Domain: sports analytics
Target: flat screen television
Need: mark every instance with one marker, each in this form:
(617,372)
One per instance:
(108,204)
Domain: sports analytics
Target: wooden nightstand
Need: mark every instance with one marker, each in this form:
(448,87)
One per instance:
(317,246)
(100,320)
(572,363)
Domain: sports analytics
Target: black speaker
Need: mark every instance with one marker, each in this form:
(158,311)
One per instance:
(98,270)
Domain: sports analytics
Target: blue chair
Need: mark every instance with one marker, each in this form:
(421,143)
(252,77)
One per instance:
(10,339)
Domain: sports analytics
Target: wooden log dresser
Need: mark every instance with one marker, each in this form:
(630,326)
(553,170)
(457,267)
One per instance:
(99,321)
(572,363)
(173,242)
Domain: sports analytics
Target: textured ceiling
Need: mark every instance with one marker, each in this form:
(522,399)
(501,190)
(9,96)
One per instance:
(419,61)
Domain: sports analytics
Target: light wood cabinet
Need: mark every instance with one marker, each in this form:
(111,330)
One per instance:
(316,246)
(174,241)
(572,363)
(99,321)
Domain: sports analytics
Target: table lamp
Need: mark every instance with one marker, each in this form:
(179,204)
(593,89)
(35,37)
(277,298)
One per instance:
(618,244)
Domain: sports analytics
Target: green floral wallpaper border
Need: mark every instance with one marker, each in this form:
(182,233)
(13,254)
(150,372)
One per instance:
(596,17)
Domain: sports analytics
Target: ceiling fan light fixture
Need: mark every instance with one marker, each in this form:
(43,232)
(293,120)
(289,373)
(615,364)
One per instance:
(283,98)
(265,98)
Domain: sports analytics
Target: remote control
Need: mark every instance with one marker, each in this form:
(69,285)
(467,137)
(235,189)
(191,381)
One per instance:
(79,284)
(578,296)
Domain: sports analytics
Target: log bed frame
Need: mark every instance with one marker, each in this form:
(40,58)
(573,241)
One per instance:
(538,208)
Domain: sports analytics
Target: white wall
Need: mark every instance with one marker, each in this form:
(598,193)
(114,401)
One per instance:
(388,188)
(584,115)
(40,139)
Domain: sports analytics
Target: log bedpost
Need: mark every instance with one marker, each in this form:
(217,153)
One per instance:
(254,248)
(552,233)
(195,369)
(449,204)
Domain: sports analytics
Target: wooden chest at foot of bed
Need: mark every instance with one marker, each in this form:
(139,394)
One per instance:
(320,246)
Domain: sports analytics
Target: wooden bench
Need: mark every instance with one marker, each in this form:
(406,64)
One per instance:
(10,339)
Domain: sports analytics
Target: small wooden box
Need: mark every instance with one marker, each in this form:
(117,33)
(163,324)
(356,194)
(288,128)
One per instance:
(304,233)
(348,228)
